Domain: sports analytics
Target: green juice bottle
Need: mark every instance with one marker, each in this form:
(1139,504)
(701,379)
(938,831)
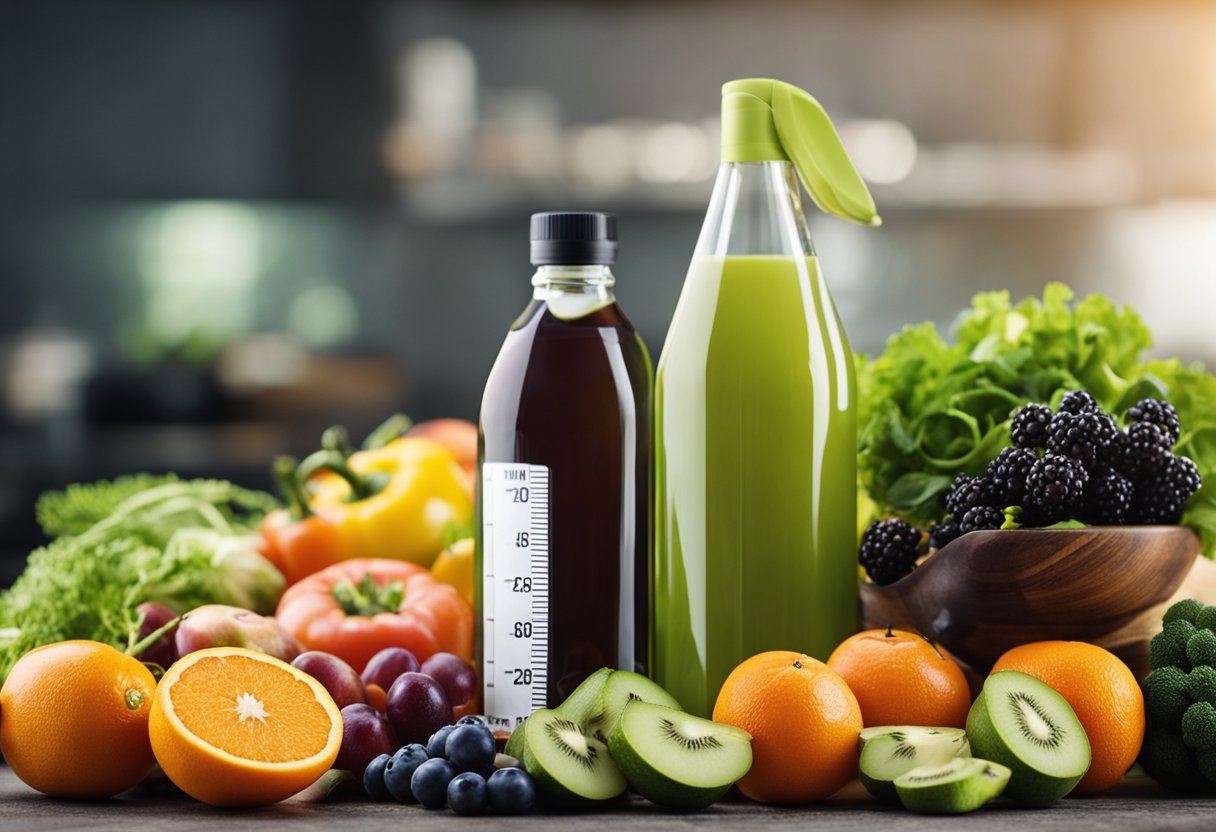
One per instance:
(756,425)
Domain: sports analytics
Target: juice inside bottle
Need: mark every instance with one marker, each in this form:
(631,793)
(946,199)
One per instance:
(755,433)
(758,496)
(570,396)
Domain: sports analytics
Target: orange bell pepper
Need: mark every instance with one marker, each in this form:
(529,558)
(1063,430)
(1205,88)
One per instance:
(294,539)
(356,608)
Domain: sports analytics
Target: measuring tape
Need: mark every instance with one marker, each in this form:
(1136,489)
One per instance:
(515,591)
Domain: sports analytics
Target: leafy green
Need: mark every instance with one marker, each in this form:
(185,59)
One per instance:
(931,409)
(182,543)
(80,505)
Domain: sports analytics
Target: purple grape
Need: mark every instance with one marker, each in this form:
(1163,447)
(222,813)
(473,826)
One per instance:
(384,667)
(417,707)
(335,675)
(458,678)
(153,616)
(366,735)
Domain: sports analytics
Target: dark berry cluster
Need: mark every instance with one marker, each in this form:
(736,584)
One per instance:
(1074,463)
(889,549)
(1078,463)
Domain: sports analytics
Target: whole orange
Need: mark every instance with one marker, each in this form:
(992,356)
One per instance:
(1102,691)
(804,723)
(74,720)
(902,678)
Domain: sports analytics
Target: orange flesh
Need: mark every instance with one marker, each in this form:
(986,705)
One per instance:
(251,709)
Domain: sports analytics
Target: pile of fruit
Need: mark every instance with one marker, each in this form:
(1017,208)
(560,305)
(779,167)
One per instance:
(234,726)
(1075,465)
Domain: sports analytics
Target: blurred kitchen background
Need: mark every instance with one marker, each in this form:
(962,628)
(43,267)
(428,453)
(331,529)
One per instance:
(225,225)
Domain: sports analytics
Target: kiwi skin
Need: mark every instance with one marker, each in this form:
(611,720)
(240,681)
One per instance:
(517,743)
(1027,785)
(987,781)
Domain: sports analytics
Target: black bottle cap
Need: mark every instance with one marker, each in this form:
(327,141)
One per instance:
(573,238)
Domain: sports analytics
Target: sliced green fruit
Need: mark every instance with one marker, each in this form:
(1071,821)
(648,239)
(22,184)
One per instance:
(570,769)
(963,784)
(1024,724)
(584,704)
(891,750)
(517,743)
(623,687)
(675,759)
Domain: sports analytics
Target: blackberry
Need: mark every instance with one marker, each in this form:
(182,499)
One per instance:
(1085,437)
(982,517)
(1078,401)
(1007,473)
(1028,429)
(889,549)
(1159,413)
(1162,499)
(1146,450)
(1055,488)
(1109,498)
(943,533)
(968,493)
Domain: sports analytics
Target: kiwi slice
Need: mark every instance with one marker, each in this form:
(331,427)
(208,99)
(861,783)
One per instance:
(517,743)
(623,687)
(1022,723)
(584,703)
(571,769)
(963,784)
(891,750)
(675,759)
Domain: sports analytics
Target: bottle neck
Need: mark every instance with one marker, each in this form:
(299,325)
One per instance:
(574,291)
(756,208)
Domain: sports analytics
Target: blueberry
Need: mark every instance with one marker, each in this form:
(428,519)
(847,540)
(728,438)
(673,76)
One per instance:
(373,779)
(400,768)
(467,794)
(435,745)
(511,791)
(471,749)
(430,782)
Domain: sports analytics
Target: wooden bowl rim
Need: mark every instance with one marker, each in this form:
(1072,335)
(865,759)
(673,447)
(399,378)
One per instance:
(909,581)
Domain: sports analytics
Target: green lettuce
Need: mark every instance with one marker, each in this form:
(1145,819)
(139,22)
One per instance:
(931,409)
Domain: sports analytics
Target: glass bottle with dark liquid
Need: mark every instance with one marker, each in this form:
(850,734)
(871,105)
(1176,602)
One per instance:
(564,490)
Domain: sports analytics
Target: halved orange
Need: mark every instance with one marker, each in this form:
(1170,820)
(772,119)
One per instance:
(232,727)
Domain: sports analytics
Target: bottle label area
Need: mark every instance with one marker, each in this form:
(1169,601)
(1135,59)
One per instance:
(515,591)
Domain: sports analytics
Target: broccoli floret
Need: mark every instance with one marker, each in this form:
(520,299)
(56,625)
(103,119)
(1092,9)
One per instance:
(1201,685)
(1165,701)
(1201,648)
(1207,764)
(1169,646)
(1199,726)
(1187,609)
(1171,763)
(1206,620)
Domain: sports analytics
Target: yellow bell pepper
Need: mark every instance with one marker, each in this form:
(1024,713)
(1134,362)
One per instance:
(398,501)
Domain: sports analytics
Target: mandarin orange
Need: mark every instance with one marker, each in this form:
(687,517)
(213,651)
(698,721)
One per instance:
(902,678)
(74,720)
(804,723)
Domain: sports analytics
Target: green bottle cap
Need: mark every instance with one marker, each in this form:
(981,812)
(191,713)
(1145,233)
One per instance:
(766,120)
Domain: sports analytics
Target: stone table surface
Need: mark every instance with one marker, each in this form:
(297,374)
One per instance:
(1136,804)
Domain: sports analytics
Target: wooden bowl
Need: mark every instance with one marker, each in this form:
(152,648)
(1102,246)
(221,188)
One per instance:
(989,591)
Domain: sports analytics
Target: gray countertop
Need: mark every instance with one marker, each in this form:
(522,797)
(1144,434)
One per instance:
(1137,804)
